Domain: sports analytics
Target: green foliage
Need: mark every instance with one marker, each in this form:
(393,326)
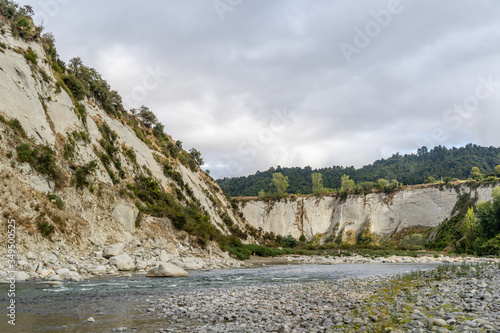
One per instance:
(81,174)
(450,232)
(413,242)
(148,117)
(470,229)
(31,55)
(497,171)
(76,86)
(289,241)
(280,182)
(191,218)
(302,238)
(476,174)
(55,199)
(45,228)
(15,125)
(410,169)
(40,158)
(196,156)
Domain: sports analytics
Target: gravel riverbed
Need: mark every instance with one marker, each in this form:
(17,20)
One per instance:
(453,298)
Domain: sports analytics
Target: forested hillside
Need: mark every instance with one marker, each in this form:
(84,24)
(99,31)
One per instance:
(409,169)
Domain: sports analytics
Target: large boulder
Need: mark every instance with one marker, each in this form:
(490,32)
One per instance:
(113,250)
(123,262)
(167,270)
(126,214)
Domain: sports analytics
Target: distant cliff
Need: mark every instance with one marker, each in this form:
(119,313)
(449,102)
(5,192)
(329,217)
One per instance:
(377,213)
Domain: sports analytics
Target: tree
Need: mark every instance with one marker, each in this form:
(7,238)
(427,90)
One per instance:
(476,174)
(346,183)
(489,215)
(470,229)
(497,171)
(317,181)
(196,156)
(280,182)
(147,116)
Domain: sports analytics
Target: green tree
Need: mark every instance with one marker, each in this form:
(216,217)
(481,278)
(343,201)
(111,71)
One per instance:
(475,174)
(470,229)
(280,182)
(147,116)
(497,171)
(196,156)
(489,215)
(317,182)
(382,182)
(346,183)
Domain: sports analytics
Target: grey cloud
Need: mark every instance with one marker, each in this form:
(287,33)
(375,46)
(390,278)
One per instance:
(227,77)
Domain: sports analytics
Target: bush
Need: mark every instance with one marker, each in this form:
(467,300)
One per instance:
(40,158)
(81,173)
(289,242)
(31,56)
(413,242)
(45,228)
(55,199)
(16,126)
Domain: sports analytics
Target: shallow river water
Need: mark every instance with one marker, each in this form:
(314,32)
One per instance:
(123,301)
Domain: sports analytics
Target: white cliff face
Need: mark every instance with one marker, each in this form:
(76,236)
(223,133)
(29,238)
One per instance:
(90,220)
(379,213)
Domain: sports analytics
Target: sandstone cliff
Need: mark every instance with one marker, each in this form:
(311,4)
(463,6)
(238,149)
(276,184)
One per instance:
(378,213)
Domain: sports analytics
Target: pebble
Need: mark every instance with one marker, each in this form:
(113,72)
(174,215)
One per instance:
(376,304)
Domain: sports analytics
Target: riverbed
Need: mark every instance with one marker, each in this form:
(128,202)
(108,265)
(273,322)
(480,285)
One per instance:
(125,302)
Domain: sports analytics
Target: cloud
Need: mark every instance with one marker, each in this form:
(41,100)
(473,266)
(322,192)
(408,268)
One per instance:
(227,78)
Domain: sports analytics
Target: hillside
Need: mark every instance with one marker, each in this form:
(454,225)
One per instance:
(409,169)
(78,172)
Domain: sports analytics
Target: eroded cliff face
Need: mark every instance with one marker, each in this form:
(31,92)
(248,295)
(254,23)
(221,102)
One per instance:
(105,212)
(378,213)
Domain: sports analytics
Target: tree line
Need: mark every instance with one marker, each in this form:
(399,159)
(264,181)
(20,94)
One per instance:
(425,166)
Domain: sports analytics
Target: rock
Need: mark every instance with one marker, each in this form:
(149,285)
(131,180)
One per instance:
(2,274)
(49,257)
(98,269)
(113,250)
(70,275)
(126,214)
(164,256)
(439,322)
(123,262)
(62,271)
(90,319)
(54,277)
(22,276)
(141,265)
(30,255)
(167,270)
(39,267)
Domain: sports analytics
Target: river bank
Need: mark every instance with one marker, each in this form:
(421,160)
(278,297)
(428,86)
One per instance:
(453,298)
(116,260)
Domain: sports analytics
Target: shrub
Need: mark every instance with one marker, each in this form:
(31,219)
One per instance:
(45,228)
(31,55)
(414,241)
(16,126)
(81,173)
(289,241)
(58,201)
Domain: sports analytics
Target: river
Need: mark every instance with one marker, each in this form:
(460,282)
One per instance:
(123,301)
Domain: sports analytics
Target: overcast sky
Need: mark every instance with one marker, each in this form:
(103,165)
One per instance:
(258,83)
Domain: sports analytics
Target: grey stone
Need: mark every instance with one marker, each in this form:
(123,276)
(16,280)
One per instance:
(113,250)
(123,262)
(167,270)
(126,214)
